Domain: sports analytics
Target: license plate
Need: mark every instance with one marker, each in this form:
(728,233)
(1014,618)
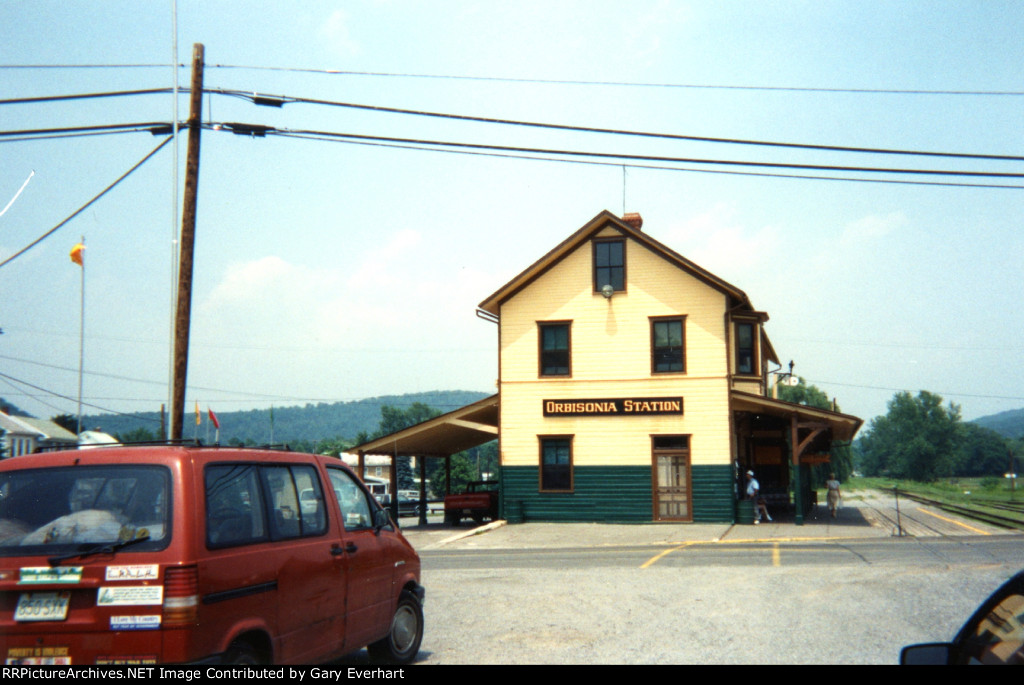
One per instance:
(42,606)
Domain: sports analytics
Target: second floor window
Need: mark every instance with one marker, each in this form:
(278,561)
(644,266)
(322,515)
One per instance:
(555,351)
(745,348)
(667,350)
(609,264)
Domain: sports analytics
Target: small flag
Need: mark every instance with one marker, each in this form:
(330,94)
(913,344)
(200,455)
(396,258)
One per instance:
(199,419)
(213,418)
(76,254)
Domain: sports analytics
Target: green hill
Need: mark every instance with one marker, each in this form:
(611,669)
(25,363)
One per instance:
(1009,424)
(309,423)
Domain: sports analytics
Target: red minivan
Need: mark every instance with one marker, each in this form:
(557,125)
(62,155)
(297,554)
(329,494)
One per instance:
(174,554)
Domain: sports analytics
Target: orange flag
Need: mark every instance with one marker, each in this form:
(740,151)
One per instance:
(76,254)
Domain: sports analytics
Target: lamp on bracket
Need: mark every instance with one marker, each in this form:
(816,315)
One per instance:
(607,290)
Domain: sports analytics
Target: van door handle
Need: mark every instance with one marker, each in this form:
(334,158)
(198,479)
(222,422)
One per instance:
(337,551)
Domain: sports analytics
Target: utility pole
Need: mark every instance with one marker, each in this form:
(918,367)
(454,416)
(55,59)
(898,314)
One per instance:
(188,237)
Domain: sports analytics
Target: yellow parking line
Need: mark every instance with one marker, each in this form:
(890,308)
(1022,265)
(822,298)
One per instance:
(775,555)
(657,557)
(959,523)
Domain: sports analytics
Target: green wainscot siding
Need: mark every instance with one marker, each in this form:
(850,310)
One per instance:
(610,494)
(714,500)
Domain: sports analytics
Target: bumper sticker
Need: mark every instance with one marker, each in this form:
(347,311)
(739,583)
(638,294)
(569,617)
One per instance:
(30,575)
(134,622)
(130,595)
(135,572)
(38,656)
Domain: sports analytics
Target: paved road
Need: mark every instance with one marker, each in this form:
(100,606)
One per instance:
(829,592)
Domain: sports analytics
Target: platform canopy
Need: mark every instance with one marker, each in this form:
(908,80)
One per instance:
(838,427)
(462,429)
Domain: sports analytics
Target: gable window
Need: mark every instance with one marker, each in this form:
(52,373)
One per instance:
(668,352)
(556,463)
(745,348)
(609,264)
(555,350)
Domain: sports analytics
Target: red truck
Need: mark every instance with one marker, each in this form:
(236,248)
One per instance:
(479,501)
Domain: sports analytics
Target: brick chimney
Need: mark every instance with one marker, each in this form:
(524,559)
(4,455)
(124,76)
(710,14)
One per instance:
(633,219)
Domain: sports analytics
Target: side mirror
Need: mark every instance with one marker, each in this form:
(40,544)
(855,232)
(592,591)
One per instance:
(380,519)
(932,654)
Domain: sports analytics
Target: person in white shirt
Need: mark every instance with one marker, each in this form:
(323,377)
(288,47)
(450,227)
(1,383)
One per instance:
(753,490)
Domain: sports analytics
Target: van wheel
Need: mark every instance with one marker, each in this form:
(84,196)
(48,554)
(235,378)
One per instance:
(242,654)
(403,640)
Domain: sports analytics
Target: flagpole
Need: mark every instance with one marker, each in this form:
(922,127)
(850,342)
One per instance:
(81,339)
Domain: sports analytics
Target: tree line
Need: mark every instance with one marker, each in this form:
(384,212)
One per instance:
(918,438)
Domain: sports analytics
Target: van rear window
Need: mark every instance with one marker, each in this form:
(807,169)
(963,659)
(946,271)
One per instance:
(57,511)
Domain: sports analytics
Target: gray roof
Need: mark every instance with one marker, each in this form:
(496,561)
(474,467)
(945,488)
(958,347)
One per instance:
(50,430)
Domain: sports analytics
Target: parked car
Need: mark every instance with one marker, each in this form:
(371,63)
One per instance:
(138,555)
(993,635)
(478,501)
(407,506)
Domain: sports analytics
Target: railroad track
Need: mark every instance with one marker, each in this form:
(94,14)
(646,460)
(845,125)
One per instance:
(975,512)
(905,523)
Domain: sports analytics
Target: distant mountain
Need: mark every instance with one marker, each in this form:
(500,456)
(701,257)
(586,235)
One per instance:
(312,422)
(1009,424)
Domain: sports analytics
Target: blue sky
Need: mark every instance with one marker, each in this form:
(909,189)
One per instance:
(328,271)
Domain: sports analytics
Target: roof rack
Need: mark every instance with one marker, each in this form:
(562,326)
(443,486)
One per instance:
(184,442)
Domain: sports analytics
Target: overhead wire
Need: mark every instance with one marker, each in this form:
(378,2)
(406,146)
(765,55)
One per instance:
(286,99)
(245,129)
(81,209)
(654,167)
(72,399)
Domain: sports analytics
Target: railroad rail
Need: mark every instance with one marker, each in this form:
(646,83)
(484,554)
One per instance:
(972,512)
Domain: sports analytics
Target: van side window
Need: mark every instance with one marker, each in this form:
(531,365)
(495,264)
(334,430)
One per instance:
(295,501)
(249,503)
(352,501)
(234,506)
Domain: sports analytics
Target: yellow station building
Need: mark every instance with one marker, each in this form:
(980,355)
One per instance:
(633,386)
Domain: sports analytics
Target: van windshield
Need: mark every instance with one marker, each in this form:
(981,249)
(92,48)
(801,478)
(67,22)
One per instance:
(66,510)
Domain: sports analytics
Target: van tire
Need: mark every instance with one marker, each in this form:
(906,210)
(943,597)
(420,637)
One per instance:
(243,654)
(405,634)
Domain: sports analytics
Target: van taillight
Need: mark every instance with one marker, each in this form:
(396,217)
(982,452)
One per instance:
(181,595)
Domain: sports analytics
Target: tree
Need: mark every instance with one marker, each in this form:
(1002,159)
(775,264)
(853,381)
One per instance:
(983,452)
(917,439)
(807,395)
(68,422)
(392,420)
(138,435)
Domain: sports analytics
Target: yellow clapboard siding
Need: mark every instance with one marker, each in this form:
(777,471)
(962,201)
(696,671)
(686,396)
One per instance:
(611,358)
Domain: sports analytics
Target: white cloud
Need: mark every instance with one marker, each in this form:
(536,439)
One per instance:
(336,31)
(870,228)
(718,241)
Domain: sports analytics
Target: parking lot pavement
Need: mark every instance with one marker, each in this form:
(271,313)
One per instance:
(866,516)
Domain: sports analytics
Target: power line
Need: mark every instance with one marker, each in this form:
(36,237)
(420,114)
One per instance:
(625,84)
(84,207)
(278,100)
(259,130)
(71,399)
(508,79)
(154,127)
(939,392)
(653,167)
(85,96)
